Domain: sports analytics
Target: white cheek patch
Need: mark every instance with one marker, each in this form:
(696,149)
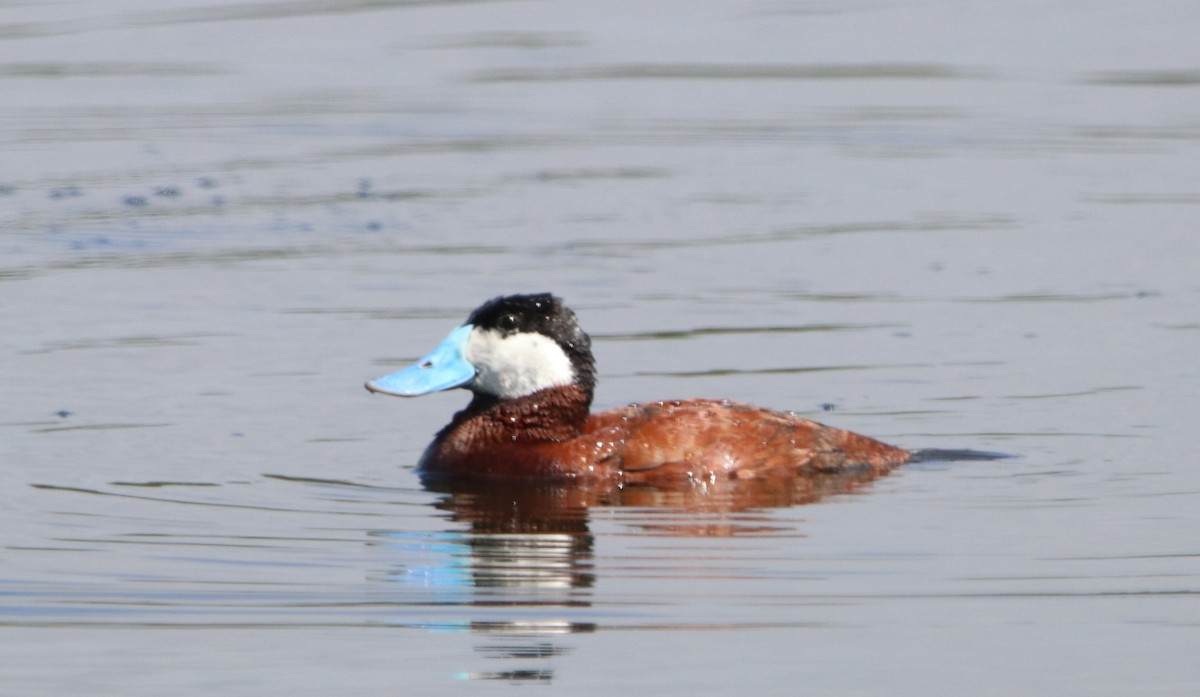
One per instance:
(516,365)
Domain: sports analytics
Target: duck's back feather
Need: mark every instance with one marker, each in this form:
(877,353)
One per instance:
(707,439)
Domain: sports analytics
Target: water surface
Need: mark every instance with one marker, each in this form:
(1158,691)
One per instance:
(945,227)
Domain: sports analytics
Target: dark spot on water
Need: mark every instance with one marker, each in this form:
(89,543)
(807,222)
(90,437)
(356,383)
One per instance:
(957,455)
(374,226)
(364,188)
(66,192)
(135,200)
(5,189)
(206,183)
(522,675)
(157,484)
(218,201)
(828,406)
(63,413)
(168,191)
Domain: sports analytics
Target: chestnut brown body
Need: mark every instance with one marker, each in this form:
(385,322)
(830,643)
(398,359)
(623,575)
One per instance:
(550,434)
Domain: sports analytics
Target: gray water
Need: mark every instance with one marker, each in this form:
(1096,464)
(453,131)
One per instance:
(945,225)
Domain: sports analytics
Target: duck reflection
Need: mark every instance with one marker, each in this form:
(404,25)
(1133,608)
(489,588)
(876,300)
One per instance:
(506,514)
(521,553)
(531,537)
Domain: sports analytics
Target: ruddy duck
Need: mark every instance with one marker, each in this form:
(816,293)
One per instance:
(530,368)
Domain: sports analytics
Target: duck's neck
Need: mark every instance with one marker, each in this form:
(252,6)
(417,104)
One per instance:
(554,414)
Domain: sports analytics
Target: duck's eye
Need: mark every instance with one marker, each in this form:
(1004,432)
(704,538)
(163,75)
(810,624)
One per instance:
(508,323)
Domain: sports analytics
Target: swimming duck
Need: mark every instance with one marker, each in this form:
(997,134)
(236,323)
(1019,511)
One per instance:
(530,369)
